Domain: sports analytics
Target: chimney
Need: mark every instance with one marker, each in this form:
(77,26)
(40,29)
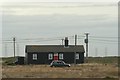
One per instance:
(66,41)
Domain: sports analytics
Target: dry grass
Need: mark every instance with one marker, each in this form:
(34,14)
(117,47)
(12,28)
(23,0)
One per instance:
(91,70)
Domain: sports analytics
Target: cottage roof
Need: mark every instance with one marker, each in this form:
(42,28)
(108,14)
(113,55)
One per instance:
(54,48)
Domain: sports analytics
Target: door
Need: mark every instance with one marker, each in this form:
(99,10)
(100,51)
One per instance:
(55,56)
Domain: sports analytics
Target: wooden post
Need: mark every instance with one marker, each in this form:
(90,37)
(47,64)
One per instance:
(86,41)
(14,45)
(75,49)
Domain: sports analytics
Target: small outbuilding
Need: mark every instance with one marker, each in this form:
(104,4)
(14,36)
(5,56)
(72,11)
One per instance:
(20,60)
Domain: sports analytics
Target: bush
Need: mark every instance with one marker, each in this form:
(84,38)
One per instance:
(8,61)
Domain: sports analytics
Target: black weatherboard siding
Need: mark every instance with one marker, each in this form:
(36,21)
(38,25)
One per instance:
(68,57)
(43,51)
(42,58)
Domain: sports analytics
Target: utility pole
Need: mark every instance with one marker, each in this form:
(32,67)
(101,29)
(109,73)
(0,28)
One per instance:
(5,49)
(106,51)
(14,45)
(17,50)
(75,40)
(75,49)
(62,41)
(86,41)
(96,52)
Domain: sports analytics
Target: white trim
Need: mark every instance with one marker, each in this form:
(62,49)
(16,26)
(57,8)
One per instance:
(60,56)
(77,55)
(50,56)
(34,56)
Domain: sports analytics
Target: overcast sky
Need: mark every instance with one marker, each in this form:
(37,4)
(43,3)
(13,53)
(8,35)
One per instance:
(41,21)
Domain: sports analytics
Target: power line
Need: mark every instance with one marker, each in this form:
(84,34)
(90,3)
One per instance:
(79,36)
(91,40)
(95,38)
(104,37)
(104,40)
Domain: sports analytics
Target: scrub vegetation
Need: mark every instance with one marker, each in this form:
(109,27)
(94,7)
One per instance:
(100,67)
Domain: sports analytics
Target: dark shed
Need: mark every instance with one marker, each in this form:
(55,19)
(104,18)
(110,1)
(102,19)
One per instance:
(20,60)
(44,54)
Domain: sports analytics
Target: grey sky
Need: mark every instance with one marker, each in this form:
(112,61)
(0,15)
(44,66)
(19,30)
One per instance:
(46,20)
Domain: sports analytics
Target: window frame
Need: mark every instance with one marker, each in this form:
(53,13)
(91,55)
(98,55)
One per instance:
(34,56)
(61,56)
(50,56)
(77,56)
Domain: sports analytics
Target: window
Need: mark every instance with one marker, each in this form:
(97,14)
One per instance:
(77,55)
(34,56)
(60,56)
(50,56)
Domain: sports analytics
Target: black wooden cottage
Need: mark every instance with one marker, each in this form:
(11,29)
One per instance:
(44,54)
